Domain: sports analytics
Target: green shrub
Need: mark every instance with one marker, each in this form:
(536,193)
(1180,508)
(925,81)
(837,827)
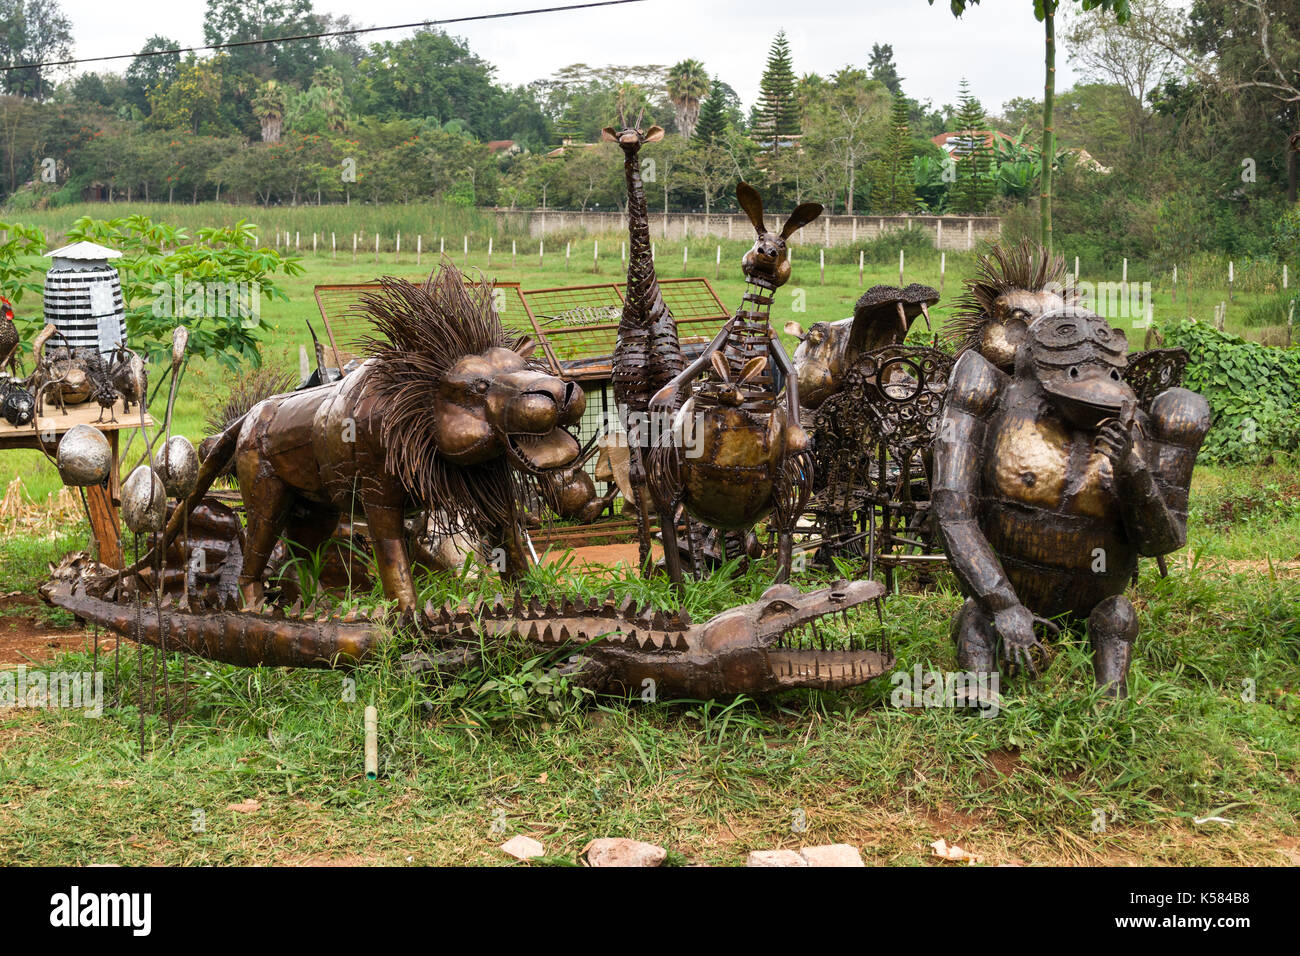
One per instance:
(1253,391)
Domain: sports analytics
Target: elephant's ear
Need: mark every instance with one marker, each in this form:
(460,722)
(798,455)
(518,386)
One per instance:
(609,134)
(795,329)
(752,203)
(654,134)
(802,215)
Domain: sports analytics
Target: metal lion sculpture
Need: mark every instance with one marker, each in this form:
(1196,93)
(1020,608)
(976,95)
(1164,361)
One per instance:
(1050,480)
(444,415)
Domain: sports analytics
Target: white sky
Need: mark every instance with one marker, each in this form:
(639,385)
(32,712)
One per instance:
(997,45)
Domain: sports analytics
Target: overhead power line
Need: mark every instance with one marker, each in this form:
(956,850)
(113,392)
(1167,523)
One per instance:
(317,36)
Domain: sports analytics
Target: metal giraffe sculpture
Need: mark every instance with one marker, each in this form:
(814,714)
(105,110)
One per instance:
(750,454)
(647,355)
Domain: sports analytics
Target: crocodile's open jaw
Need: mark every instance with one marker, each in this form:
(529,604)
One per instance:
(795,630)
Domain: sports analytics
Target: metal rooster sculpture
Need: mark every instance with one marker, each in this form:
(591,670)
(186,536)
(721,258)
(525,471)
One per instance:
(752,456)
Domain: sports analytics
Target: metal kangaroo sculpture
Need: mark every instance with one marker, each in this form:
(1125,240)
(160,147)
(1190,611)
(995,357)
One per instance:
(753,459)
(647,355)
(444,415)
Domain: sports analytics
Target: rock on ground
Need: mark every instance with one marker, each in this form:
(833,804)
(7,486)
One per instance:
(619,851)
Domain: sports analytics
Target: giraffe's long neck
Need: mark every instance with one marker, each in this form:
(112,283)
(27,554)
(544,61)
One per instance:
(648,354)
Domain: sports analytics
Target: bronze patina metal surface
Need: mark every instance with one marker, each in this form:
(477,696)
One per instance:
(750,457)
(445,416)
(647,354)
(882,317)
(768,645)
(1050,481)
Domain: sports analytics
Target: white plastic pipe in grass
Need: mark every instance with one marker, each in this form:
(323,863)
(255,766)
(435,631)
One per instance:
(372,743)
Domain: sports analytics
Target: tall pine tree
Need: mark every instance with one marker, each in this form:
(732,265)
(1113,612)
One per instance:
(713,116)
(973,155)
(778,99)
(893,189)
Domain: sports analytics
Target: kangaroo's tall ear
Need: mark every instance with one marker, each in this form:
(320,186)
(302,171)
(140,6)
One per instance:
(752,203)
(654,134)
(802,215)
(719,366)
(609,135)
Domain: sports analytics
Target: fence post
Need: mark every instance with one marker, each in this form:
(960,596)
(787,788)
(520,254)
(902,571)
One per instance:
(334,247)
(1076,270)
(821,256)
(1230,277)
(943,265)
(489,252)
(313,243)
(938,233)
(354,247)
(860,262)
(717,261)
(419,247)
(1283,276)
(595,255)
(970,233)
(514,254)
(900,268)
(397,252)
(566,255)
(686,255)
(541,253)
(1173,291)
(465,242)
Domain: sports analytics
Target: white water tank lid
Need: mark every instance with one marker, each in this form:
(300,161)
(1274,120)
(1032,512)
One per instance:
(81,254)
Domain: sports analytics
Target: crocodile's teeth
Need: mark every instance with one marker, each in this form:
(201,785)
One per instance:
(518,609)
(499,606)
(533,632)
(534,608)
(351,616)
(681,620)
(681,644)
(628,608)
(660,621)
(565,637)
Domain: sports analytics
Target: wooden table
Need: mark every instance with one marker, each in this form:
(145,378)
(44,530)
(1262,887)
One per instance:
(103,499)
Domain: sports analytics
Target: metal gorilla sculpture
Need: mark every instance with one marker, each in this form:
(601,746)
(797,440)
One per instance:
(754,457)
(1049,483)
(435,418)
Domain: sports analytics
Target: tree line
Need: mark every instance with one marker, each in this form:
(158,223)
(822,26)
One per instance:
(1172,140)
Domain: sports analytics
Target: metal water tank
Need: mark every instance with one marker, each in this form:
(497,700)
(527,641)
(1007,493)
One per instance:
(83,297)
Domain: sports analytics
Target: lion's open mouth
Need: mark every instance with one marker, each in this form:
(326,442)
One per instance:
(556,449)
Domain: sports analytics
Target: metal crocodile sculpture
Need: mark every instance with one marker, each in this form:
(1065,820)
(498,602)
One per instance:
(768,645)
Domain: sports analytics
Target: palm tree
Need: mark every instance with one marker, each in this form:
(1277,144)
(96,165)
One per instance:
(268,107)
(688,83)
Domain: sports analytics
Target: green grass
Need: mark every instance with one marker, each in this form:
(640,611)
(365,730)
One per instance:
(466,765)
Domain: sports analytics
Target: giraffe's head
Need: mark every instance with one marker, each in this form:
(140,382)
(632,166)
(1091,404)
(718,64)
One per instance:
(630,138)
(769,259)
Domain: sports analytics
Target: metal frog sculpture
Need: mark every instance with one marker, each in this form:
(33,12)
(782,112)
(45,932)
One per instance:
(443,416)
(1049,483)
(752,456)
